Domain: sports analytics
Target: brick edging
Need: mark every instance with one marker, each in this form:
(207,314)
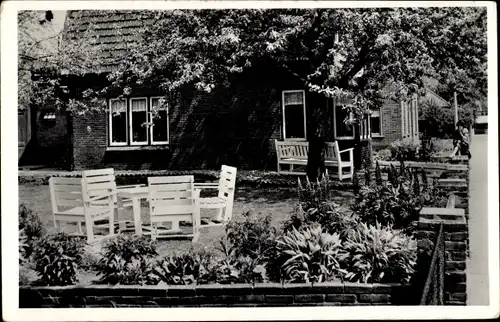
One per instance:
(260,294)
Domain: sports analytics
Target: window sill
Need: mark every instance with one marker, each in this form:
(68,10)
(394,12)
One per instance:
(138,147)
(377,136)
(344,138)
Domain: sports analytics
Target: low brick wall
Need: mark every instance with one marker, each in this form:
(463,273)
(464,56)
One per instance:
(242,295)
(456,244)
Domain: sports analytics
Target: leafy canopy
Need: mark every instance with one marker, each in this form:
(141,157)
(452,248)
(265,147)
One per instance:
(345,52)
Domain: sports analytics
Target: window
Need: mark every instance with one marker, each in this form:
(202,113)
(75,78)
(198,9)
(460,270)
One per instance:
(376,123)
(343,130)
(118,122)
(294,115)
(159,129)
(138,121)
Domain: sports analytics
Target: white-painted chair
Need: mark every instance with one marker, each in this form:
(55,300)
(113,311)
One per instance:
(223,202)
(108,176)
(73,201)
(173,199)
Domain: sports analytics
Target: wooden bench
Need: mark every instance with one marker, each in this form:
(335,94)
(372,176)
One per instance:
(294,153)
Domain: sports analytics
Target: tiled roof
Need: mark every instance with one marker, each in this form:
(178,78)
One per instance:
(116,29)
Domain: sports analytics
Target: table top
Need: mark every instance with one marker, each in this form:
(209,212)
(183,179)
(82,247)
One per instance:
(131,192)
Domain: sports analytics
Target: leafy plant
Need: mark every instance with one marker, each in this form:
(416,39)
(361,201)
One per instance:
(237,268)
(382,155)
(328,215)
(31,228)
(377,254)
(128,259)
(313,194)
(193,267)
(404,150)
(310,255)
(251,235)
(56,258)
(397,201)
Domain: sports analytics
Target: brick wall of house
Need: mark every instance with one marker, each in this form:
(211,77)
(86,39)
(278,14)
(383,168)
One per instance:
(391,125)
(213,295)
(235,125)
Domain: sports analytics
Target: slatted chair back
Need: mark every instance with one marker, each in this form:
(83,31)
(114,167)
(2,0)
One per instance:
(171,195)
(332,151)
(99,182)
(173,199)
(65,193)
(227,182)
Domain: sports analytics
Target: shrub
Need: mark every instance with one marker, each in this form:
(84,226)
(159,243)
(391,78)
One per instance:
(382,155)
(376,254)
(26,275)
(404,150)
(56,258)
(313,194)
(30,229)
(236,268)
(193,267)
(398,201)
(328,215)
(251,235)
(128,259)
(309,255)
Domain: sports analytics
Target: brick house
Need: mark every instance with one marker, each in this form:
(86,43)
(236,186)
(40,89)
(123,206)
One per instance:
(234,125)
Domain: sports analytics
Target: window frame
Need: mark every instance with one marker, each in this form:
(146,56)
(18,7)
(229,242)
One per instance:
(283,93)
(351,117)
(377,134)
(130,122)
(110,123)
(130,144)
(152,142)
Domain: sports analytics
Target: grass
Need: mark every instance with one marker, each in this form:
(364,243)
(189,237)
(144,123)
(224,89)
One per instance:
(277,201)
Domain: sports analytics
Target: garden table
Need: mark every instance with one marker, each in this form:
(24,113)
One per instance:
(135,194)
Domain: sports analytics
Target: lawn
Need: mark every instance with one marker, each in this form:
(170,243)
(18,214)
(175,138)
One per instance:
(277,201)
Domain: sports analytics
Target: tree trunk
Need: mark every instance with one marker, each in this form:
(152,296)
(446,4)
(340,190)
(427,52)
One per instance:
(317,140)
(316,158)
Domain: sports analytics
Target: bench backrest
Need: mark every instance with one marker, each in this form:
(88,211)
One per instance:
(171,195)
(65,193)
(300,150)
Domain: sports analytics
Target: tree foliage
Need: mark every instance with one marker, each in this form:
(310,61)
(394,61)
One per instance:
(44,57)
(349,52)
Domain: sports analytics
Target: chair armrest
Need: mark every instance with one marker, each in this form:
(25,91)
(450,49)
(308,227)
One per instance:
(103,196)
(206,186)
(351,154)
(131,186)
(346,150)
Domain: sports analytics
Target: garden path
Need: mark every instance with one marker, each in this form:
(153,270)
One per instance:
(477,264)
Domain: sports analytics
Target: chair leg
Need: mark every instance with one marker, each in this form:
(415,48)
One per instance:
(112,223)
(89,227)
(79,226)
(196,225)
(219,216)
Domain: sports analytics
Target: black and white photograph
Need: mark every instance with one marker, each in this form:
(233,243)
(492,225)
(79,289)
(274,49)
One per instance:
(279,155)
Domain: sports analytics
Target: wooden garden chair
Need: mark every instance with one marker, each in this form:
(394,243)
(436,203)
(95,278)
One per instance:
(223,202)
(173,199)
(107,175)
(72,202)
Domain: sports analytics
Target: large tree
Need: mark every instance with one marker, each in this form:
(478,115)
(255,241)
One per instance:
(352,53)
